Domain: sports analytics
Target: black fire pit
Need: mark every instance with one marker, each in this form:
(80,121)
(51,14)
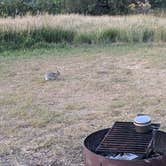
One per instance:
(122,145)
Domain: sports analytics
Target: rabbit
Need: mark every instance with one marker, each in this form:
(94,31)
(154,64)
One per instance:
(52,75)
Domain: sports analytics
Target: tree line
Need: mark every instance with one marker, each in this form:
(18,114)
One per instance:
(93,7)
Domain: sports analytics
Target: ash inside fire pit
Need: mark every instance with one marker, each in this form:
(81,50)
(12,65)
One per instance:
(123,156)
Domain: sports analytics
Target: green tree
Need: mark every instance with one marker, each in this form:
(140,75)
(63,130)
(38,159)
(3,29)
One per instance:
(158,3)
(97,6)
(78,6)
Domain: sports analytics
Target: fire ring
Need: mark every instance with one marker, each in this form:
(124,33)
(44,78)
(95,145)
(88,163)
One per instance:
(93,158)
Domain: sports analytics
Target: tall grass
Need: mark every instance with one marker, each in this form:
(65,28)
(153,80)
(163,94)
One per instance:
(22,32)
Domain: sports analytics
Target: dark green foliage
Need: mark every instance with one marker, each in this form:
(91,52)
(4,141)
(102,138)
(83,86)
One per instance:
(94,7)
(119,7)
(110,35)
(158,3)
(24,39)
(136,36)
(22,7)
(163,35)
(88,38)
(78,6)
(50,35)
(97,7)
(46,36)
(148,35)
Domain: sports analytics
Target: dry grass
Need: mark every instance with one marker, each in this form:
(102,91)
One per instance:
(45,122)
(82,23)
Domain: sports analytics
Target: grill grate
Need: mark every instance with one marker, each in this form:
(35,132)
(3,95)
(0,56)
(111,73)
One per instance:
(122,138)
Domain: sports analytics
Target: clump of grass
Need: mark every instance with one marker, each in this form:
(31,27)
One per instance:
(148,35)
(163,34)
(26,39)
(86,38)
(109,35)
(52,35)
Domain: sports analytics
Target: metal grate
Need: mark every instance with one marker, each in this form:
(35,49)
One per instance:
(122,138)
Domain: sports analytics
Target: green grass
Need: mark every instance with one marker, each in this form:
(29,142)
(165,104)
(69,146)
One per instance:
(62,50)
(45,37)
(34,38)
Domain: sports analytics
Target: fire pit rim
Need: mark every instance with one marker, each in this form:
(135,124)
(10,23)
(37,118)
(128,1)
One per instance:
(131,161)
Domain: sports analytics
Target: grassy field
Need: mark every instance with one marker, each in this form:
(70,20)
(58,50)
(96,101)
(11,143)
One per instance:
(46,122)
(29,31)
